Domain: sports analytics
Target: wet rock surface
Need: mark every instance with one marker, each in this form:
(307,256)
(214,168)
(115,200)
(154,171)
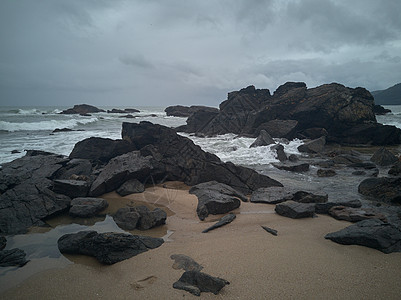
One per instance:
(87,207)
(13,257)
(107,248)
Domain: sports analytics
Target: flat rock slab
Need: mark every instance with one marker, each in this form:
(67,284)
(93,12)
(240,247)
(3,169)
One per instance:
(371,233)
(300,168)
(108,248)
(271,195)
(215,198)
(196,282)
(184,262)
(223,221)
(295,210)
(12,257)
(87,207)
(355,214)
(306,197)
(71,188)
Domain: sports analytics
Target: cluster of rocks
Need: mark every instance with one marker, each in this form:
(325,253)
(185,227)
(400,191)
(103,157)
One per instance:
(86,110)
(341,114)
(186,111)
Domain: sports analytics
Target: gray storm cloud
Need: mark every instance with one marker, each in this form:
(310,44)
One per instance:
(190,52)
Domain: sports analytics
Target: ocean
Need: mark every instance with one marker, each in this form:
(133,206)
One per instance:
(28,128)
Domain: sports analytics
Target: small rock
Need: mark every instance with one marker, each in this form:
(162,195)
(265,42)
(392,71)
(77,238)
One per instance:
(270,230)
(294,168)
(326,173)
(196,282)
(314,146)
(395,170)
(223,221)
(295,210)
(141,217)
(263,139)
(185,262)
(293,158)
(131,186)
(281,156)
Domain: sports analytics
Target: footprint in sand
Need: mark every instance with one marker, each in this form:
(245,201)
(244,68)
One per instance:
(143,283)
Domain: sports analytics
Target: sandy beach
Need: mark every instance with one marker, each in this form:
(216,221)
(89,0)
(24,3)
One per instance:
(297,264)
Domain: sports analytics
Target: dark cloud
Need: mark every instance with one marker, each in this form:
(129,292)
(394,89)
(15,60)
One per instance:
(188,52)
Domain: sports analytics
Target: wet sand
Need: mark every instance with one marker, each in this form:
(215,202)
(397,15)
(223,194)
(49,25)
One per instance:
(297,264)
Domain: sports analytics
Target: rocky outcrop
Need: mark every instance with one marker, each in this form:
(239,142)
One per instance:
(196,282)
(295,210)
(371,233)
(178,158)
(139,217)
(102,149)
(227,219)
(87,207)
(122,111)
(215,198)
(386,189)
(107,248)
(380,110)
(186,111)
(26,195)
(82,109)
(281,156)
(346,115)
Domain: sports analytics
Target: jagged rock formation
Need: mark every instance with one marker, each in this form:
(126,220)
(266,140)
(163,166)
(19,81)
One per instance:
(186,111)
(345,114)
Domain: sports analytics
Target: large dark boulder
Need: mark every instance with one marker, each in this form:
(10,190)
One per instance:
(215,198)
(102,149)
(386,189)
(178,158)
(108,248)
(279,128)
(119,170)
(371,233)
(26,192)
(186,111)
(196,282)
(87,207)
(263,139)
(82,109)
(314,146)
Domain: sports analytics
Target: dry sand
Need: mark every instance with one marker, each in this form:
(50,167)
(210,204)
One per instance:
(297,264)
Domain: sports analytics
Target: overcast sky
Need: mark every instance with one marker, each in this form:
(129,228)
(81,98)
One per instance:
(165,52)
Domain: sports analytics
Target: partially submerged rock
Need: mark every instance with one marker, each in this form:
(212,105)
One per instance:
(82,109)
(314,146)
(264,139)
(383,157)
(186,111)
(227,219)
(87,207)
(196,282)
(108,248)
(298,168)
(371,233)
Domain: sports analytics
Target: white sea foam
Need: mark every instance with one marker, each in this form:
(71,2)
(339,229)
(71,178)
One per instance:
(229,147)
(44,125)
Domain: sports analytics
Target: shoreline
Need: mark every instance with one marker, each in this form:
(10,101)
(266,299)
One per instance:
(298,262)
